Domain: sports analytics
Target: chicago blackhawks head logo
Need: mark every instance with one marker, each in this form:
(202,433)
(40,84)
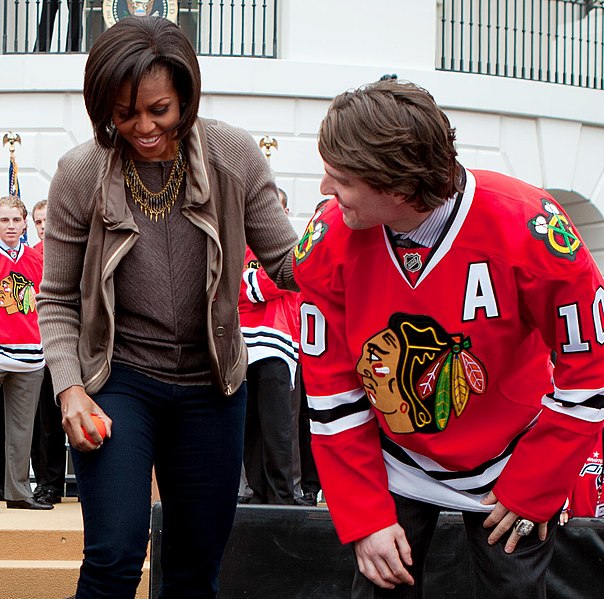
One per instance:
(17,294)
(414,371)
(555,230)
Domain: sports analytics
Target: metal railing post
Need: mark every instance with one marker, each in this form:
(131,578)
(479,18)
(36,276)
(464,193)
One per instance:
(563,45)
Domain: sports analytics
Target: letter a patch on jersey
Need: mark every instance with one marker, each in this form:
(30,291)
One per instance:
(556,231)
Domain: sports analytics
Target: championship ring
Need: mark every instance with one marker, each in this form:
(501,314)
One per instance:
(523,527)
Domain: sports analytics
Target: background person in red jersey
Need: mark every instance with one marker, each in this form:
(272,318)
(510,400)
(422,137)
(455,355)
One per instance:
(21,355)
(586,500)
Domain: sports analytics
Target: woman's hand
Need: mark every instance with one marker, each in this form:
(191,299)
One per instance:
(76,407)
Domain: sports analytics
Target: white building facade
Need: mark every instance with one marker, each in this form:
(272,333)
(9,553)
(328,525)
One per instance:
(548,134)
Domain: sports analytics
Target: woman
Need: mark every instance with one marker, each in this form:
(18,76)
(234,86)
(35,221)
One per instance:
(144,248)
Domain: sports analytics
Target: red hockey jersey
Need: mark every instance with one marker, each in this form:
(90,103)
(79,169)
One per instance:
(20,276)
(269,316)
(428,371)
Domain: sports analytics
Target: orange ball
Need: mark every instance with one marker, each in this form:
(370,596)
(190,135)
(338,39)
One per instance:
(100,426)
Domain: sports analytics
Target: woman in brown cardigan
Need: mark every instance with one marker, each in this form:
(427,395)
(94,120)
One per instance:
(144,248)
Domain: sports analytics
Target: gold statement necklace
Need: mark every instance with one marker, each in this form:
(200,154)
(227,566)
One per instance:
(156,204)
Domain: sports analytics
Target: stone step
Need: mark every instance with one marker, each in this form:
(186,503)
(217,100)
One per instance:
(38,535)
(50,579)
(41,552)
(41,544)
(66,515)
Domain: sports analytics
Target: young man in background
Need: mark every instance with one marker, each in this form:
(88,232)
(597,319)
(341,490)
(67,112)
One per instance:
(21,356)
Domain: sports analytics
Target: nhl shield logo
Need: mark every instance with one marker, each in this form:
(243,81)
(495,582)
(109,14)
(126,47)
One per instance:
(412,262)
(116,10)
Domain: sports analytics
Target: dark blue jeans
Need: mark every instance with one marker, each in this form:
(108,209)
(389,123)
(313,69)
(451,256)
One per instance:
(194,436)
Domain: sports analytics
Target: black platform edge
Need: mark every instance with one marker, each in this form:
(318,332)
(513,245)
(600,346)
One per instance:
(286,552)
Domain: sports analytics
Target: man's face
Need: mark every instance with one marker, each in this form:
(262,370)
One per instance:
(362,206)
(283,201)
(12,225)
(40,221)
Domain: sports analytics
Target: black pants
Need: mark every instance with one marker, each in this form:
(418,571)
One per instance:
(48,444)
(310,477)
(267,451)
(47,24)
(519,575)
(2,439)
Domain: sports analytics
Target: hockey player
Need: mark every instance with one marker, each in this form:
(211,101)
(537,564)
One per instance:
(269,323)
(433,297)
(21,356)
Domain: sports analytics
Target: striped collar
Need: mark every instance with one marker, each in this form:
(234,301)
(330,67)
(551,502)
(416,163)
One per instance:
(427,233)
(12,253)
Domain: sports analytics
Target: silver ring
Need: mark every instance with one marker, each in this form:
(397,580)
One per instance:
(523,527)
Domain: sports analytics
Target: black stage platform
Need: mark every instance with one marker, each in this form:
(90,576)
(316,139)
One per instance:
(293,553)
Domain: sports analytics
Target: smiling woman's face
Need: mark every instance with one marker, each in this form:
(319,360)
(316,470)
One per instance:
(150,130)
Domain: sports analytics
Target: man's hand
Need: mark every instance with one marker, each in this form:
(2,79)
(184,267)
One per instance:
(504,520)
(76,407)
(383,555)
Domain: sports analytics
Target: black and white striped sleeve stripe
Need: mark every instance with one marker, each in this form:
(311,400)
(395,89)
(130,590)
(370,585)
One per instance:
(584,404)
(333,414)
(252,288)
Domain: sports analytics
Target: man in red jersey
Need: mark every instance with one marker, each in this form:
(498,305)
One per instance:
(433,297)
(39,215)
(269,323)
(21,356)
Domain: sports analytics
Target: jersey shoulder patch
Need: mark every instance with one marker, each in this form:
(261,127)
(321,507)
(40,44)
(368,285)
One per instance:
(315,231)
(553,227)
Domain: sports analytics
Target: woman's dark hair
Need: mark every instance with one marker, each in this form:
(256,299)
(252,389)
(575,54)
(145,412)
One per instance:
(126,52)
(395,138)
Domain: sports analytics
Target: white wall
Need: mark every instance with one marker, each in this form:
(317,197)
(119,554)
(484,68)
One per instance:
(550,135)
(359,32)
